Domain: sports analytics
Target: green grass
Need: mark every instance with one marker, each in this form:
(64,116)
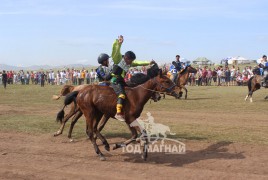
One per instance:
(209,114)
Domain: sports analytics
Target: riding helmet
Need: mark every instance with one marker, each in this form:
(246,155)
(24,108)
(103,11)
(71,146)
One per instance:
(103,57)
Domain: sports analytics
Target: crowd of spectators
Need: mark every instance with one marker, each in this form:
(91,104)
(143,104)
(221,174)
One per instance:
(220,76)
(69,76)
(205,76)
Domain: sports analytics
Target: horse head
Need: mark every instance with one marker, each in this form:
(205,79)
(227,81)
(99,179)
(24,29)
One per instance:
(191,69)
(164,84)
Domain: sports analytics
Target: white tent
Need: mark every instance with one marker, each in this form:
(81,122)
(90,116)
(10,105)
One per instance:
(202,61)
(240,60)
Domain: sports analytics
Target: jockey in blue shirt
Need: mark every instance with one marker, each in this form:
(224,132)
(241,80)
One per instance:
(175,68)
(101,71)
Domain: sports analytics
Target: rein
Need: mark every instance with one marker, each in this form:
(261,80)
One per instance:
(161,86)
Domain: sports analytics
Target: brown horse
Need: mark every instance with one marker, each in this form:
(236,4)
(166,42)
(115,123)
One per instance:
(254,83)
(98,101)
(182,80)
(74,111)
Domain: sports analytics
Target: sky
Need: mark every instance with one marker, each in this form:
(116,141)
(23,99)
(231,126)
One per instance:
(62,32)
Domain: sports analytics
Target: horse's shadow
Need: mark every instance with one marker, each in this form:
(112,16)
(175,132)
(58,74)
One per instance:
(218,150)
(199,98)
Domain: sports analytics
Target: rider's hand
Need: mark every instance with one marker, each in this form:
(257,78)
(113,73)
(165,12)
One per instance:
(120,39)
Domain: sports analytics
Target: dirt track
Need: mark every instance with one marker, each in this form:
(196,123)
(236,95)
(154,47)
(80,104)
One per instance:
(25,156)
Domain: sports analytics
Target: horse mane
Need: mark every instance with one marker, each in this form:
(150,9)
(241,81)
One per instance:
(184,70)
(140,78)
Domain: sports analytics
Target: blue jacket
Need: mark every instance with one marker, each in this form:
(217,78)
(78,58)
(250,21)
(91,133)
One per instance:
(174,69)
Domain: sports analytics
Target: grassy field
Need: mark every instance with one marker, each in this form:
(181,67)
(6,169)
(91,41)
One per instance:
(209,114)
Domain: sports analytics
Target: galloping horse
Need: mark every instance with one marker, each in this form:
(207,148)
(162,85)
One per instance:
(254,83)
(183,78)
(76,112)
(73,111)
(99,101)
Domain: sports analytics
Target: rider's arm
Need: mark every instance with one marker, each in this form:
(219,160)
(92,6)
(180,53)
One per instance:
(116,54)
(103,75)
(140,63)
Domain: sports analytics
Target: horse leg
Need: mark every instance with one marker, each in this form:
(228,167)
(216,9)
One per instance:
(246,97)
(132,139)
(102,122)
(99,128)
(66,118)
(74,120)
(186,91)
(91,123)
(250,96)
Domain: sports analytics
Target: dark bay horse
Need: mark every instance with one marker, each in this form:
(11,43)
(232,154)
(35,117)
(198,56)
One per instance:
(182,80)
(97,102)
(254,83)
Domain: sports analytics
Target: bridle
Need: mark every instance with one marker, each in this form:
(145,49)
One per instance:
(167,89)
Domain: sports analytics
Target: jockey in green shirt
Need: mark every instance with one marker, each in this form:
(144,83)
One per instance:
(120,68)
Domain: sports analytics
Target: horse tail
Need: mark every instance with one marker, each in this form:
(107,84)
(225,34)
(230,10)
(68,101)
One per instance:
(60,115)
(71,97)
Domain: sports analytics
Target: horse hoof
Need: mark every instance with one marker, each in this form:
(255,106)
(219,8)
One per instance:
(115,146)
(144,157)
(107,148)
(56,134)
(71,140)
(102,158)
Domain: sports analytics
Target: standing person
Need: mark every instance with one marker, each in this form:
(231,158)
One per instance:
(4,79)
(92,76)
(233,75)
(204,76)
(175,68)
(120,68)
(219,74)
(83,76)
(42,79)
(209,77)
(87,77)
(227,76)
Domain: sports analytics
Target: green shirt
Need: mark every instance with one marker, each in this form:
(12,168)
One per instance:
(117,58)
